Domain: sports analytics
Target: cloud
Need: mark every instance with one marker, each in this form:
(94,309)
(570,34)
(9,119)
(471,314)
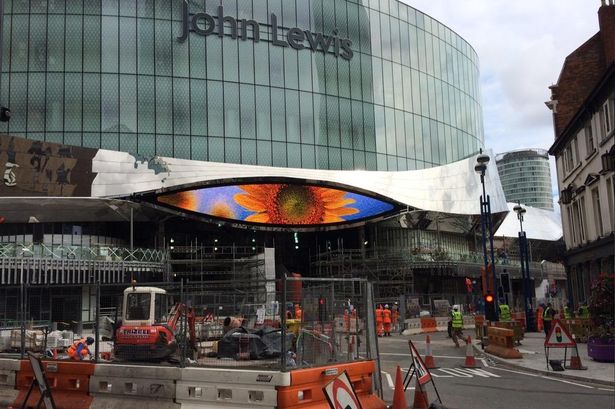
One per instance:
(521,46)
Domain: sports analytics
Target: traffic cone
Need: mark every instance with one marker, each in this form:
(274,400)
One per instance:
(575,361)
(470,361)
(399,397)
(421,401)
(430,363)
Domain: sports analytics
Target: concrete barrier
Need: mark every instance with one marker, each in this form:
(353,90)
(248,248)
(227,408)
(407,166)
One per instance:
(413,326)
(468,322)
(138,381)
(442,323)
(501,343)
(110,402)
(210,388)
(8,371)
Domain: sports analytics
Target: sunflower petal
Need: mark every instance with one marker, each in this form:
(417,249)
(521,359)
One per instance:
(250,202)
(343,211)
(331,194)
(329,218)
(339,203)
(257,190)
(258,218)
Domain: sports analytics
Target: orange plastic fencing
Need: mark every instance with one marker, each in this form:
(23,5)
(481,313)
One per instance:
(429,325)
(69,382)
(306,388)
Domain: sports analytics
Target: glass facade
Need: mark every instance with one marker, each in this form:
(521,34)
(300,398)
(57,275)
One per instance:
(113,74)
(526,177)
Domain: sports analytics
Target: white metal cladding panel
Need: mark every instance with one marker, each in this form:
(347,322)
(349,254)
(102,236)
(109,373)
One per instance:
(538,224)
(453,188)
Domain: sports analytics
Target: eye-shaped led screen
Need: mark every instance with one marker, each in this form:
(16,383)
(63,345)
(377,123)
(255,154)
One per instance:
(278,204)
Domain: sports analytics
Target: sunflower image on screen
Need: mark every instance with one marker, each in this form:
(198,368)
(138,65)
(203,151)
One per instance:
(278,204)
(295,204)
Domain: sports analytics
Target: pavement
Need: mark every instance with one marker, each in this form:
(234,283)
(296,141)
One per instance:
(534,360)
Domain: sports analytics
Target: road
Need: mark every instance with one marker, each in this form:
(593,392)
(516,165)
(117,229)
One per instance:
(492,386)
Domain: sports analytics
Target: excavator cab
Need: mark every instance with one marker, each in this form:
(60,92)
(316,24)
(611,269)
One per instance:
(144,306)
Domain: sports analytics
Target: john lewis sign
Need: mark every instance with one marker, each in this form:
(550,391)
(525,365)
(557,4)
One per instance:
(204,24)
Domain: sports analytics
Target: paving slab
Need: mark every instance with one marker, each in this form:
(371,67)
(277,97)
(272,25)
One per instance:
(534,359)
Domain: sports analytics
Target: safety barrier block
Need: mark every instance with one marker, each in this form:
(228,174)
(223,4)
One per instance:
(468,322)
(135,387)
(235,388)
(428,325)
(306,389)
(8,372)
(68,380)
(501,343)
(442,323)
(413,326)
(154,382)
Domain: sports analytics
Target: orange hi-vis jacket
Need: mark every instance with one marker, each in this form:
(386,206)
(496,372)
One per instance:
(387,316)
(379,315)
(78,350)
(298,313)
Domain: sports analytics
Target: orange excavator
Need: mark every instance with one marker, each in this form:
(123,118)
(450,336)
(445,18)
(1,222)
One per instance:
(148,331)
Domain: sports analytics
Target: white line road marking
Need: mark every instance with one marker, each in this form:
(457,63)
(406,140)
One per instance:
(408,355)
(456,372)
(605,389)
(480,372)
(568,382)
(484,361)
(435,375)
(390,380)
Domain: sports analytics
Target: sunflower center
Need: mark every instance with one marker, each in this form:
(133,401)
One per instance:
(297,205)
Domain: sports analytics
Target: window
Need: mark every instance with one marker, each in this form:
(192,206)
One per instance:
(610,193)
(578,216)
(138,305)
(589,138)
(597,212)
(161,308)
(606,119)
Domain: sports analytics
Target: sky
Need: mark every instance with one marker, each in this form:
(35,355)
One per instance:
(521,45)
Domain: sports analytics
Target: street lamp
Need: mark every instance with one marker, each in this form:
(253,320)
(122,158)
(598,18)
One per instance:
(525,271)
(482,161)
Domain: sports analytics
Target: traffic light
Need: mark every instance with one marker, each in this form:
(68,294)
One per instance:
(490,313)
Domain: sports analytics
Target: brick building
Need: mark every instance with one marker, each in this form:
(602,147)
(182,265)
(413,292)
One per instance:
(583,106)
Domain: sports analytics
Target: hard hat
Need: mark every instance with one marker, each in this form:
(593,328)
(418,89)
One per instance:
(89,340)
(455,307)
(386,306)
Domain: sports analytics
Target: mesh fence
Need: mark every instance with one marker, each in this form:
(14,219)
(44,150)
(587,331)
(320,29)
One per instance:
(268,324)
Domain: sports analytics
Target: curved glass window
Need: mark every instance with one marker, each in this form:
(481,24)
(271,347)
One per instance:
(395,89)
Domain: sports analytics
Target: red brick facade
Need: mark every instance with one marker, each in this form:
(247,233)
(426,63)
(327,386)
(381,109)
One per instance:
(583,70)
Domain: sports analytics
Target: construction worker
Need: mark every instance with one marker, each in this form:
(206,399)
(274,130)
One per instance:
(298,312)
(457,325)
(379,318)
(567,312)
(504,311)
(583,311)
(547,317)
(387,320)
(395,317)
(79,349)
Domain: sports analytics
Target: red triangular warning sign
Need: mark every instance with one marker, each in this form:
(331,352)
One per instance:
(559,336)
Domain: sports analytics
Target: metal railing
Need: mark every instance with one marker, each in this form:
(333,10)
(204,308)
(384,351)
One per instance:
(59,251)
